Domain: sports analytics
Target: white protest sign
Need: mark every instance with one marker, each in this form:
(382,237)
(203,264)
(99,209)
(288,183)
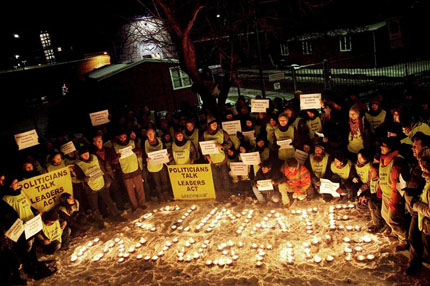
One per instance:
(100,117)
(238,169)
(231,127)
(15,231)
(26,139)
(208,147)
(251,158)
(276,76)
(67,148)
(285,144)
(310,101)
(265,185)
(250,135)
(33,226)
(328,187)
(319,134)
(126,152)
(301,156)
(94,173)
(158,157)
(259,105)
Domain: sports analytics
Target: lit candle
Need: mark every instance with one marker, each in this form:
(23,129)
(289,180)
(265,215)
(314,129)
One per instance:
(315,240)
(254,246)
(357,228)
(165,248)
(351,206)
(228,261)
(154,258)
(348,257)
(327,238)
(153,229)
(269,247)
(367,239)
(235,257)
(90,244)
(147,258)
(289,245)
(259,263)
(187,228)
(196,255)
(209,262)
(204,245)
(262,246)
(142,240)
(180,258)
(175,240)
(290,260)
(329,258)
(121,259)
(221,262)
(139,256)
(317,259)
(117,239)
(370,257)
(96,240)
(360,257)
(348,227)
(225,252)
(74,258)
(358,248)
(138,245)
(192,241)
(126,255)
(188,258)
(131,249)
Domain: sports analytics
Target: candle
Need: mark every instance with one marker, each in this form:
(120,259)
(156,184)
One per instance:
(147,258)
(317,259)
(168,243)
(165,248)
(126,255)
(289,245)
(259,258)
(290,260)
(348,257)
(351,206)
(230,243)
(138,245)
(187,228)
(358,248)
(175,240)
(348,227)
(340,227)
(142,240)
(269,247)
(345,217)
(229,261)
(315,240)
(327,238)
(117,239)
(366,238)
(221,262)
(329,258)
(357,228)
(154,258)
(153,229)
(187,244)
(215,262)
(262,246)
(360,257)
(121,260)
(192,241)
(209,262)
(188,258)
(90,244)
(235,257)
(96,240)
(345,206)
(254,246)
(131,249)
(196,255)
(180,258)
(225,252)
(259,263)
(204,245)
(348,250)
(370,257)
(74,258)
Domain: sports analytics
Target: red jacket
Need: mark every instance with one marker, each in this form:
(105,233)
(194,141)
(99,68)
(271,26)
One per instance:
(299,180)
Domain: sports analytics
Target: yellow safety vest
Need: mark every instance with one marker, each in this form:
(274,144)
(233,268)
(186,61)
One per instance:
(181,154)
(384,178)
(53,232)
(284,154)
(97,182)
(270,131)
(424,199)
(51,167)
(219,138)
(375,121)
(263,156)
(319,168)
(154,168)
(71,162)
(343,172)
(21,205)
(314,125)
(356,142)
(194,138)
(363,172)
(130,163)
(420,127)
(406,140)
(296,122)
(374,185)
(75,208)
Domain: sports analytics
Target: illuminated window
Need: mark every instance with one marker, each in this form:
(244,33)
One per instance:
(45,39)
(179,78)
(307,48)
(345,43)
(284,49)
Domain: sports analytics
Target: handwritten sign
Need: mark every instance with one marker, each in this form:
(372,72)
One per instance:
(265,185)
(231,127)
(126,152)
(328,187)
(33,226)
(15,231)
(238,169)
(276,76)
(67,148)
(250,135)
(285,144)
(310,101)
(100,117)
(158,157)
(208,147)
(252,158)
(259,105)
(26,139)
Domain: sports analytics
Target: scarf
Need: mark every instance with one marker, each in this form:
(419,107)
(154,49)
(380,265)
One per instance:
(284,128)
(181,143)
(355,126)
(189,133)
(386,159)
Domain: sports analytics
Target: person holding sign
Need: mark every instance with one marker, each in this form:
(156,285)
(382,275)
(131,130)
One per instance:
(263,149)
(229,117)
(89,170)
(54,234)
(270,131)
(158,171)
(249,130)
(343,172)
(357,131)
(318,164)
(127,164)
(298,182)
(218,161)
(183,150)
(284,132)
(313,121)
(55,162)
(242,183)
(266,172)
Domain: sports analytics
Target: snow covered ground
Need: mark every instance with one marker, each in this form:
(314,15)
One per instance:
(170,244)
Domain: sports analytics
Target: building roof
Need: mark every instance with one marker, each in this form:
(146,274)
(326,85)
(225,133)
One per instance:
(338,32)
(110,70)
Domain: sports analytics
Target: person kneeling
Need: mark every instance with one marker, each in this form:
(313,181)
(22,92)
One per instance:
(267,173)
(54,234)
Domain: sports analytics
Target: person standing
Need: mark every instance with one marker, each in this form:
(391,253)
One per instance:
(183,150)
(126,163)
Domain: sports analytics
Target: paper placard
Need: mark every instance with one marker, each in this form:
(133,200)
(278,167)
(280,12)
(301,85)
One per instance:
(301,156)
(250,135)
(26,139)
(95,173)
(251,158)
(33,226)
(99,118)
(15,231)
(126,152)
(158,157)
(265,185)
(328,187)
(67,148)
(209,147)
(310,101)
(231,127)
(259,105)
(285,144)
(238,169)
(319,134)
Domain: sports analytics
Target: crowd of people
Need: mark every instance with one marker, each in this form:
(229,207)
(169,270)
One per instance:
(377,151)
